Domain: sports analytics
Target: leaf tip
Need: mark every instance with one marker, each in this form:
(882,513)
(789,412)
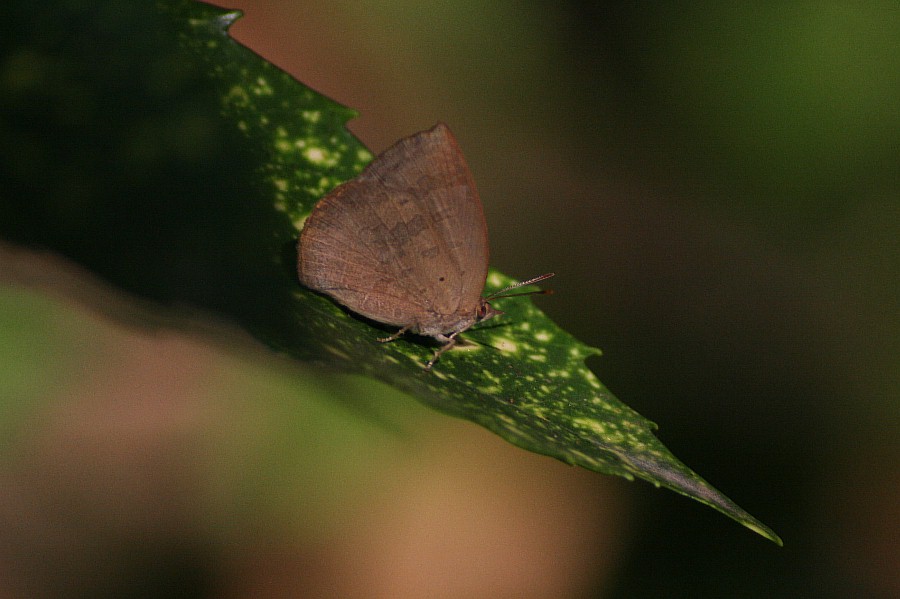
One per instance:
(764,531)
(227,19)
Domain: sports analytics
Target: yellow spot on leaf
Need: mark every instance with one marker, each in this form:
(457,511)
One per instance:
(506,345)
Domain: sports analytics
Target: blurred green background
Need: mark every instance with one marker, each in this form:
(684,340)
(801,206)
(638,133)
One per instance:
(717,188)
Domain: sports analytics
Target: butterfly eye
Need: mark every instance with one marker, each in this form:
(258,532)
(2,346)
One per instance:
(483,308)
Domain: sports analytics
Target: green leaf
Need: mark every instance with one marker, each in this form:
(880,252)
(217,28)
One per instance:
(212,158)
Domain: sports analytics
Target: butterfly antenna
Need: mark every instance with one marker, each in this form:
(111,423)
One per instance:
(502,293)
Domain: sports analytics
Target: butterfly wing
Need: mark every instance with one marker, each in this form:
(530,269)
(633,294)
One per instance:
(404,243)
(429,179)
(345,252)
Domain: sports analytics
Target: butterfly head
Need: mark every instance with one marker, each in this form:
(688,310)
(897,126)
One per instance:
(486,311)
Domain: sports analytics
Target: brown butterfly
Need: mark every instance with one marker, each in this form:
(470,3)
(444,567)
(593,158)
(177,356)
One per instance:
(405,242)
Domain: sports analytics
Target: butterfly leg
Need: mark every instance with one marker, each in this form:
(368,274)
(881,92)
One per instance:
(396,335)
(448,342)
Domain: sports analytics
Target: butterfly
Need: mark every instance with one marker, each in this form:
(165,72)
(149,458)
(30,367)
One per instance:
(405,242)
